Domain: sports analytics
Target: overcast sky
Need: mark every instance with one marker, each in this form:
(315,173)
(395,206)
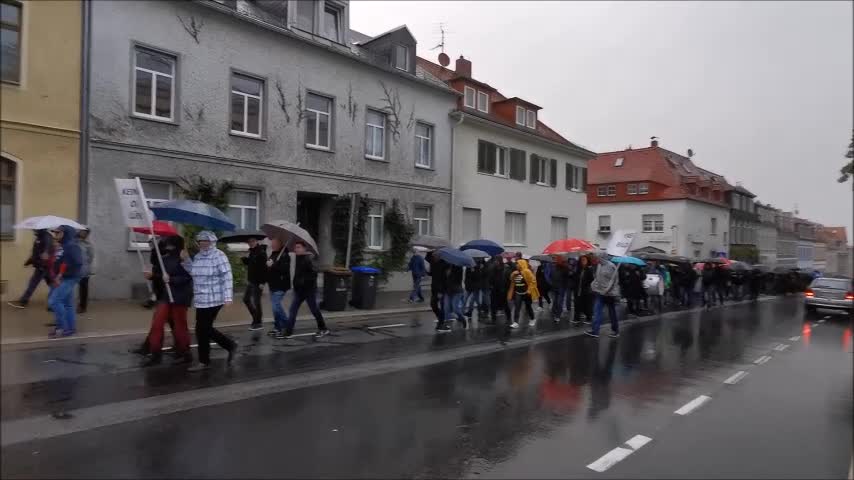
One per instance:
(761,91)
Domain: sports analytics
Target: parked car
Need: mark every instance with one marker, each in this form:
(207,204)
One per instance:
(829,292)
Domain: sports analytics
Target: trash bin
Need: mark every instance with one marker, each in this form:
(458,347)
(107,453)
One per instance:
(336,283)
(364,293)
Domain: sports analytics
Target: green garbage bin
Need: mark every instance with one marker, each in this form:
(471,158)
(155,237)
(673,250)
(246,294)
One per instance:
(336,285)
(364,294)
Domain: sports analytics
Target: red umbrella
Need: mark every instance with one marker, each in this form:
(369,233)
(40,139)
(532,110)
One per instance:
(161,229)
(569,245)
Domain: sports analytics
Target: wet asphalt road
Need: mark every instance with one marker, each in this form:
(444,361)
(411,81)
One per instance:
(550,409)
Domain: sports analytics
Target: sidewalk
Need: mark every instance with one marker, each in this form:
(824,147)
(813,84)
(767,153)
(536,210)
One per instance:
(112,318)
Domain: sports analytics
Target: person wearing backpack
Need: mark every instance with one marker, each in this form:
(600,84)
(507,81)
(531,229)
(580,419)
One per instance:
(606,291)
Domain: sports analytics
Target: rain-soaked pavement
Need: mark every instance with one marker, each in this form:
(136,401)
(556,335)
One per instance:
(744,391)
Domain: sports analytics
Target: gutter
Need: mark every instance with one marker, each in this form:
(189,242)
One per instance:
(83,174)
(574,150)
(453,187)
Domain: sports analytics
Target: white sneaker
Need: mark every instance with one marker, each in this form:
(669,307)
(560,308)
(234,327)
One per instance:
(532,323)
(539,309)
(514,325)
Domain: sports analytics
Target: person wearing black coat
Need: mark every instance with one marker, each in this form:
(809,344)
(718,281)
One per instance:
(437,285)
(543,284)
(722,282)
(474,284)
(586,272)
(559,278)
(42,246)
(499,275)
(256,277)
(709,281)
(174,310)
(452,298)
(279,281)
(305,290)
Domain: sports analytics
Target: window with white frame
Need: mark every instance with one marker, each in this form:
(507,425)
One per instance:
(423,145)
(471,224)
(576,179)
(514,228)
(653,223)
(483,102)
(544,170)
(375,135)
(246,105)
(470,95)
(422,217)
(491,159)
(318,120)
(376,231)
(156,192)
(643,188)
(305,15)
(243,209)
(8,197)
(618,162)
(532,119)
(154,84)
(520,116)
(612,190)
(632,189)
(10,41)
(332,23)
(604,223)
(602,191)
(560,228)
(401,57)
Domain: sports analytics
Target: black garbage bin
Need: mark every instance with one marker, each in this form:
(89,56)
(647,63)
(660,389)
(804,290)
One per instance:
(336,284)
(364,293)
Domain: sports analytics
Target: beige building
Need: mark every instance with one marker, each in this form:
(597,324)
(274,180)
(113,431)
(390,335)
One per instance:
(39,124)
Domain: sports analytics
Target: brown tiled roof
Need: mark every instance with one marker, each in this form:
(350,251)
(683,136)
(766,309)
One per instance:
(831,234)
(449,75)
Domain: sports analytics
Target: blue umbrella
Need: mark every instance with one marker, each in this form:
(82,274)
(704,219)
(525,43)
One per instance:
(476,253)
(192,212)
(629,260)
(487,246)
(455,257)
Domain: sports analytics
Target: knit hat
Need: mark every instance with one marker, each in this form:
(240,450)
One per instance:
(206,235)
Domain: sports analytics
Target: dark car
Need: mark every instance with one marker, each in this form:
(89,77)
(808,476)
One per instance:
(829,292)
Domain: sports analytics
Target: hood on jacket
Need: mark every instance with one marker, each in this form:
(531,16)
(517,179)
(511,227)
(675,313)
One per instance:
(206,235)
(522,264)
(69,234)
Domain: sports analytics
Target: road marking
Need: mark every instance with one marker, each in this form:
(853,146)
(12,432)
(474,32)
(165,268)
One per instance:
(393,325)
(795,338)
(822,320)
(762,359)
(780,347)
(618,454)
(692,405)
(735,378)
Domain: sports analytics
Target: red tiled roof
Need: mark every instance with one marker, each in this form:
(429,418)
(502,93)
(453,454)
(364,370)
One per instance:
(449,75)
(670,171)
(830,234)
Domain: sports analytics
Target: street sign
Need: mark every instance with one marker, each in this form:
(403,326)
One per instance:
(620,242)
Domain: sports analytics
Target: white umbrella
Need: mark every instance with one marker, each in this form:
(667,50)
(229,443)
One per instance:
(288,233)
(46,222)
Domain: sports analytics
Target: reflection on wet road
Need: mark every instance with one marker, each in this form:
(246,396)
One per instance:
(546,410)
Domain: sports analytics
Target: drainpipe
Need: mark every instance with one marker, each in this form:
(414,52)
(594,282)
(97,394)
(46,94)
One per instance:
(85,51)
(453,187)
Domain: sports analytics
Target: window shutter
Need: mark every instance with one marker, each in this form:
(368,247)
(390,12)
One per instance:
(481,156)
(535,168)
(584,179)
(553,176)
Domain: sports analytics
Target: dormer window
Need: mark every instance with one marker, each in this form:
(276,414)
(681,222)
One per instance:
(470,97)
(332,23)
(483,102)
(532,119)
(520,116)
(401,57)
(305,15)
(618,162)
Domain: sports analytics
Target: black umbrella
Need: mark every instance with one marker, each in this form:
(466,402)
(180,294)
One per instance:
(429,242)
(543,258)
(243,236)
(718,260)
(739,266)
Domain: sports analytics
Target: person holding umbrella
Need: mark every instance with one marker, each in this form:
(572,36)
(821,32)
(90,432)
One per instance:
(279,280)
(67,269)
(606,287)
(586,271)
(212,289)
(417,268)
(452,298)
(305,290)
(39,256)
(256,277)
(499,274)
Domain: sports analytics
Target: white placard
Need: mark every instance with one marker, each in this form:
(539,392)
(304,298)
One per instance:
(132,202)
(620,242)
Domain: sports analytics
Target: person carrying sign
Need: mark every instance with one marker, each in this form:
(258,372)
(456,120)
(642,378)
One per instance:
(606,290)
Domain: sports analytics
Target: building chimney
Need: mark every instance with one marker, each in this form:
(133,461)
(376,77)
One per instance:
(653,142)
(463,67)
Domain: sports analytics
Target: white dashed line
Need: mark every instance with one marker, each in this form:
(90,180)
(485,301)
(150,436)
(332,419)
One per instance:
(692,405)
(781,347)
(795,338)
(618,454)
(762,359)
(735,378)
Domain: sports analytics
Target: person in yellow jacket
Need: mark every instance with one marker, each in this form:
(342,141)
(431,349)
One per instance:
(523,290)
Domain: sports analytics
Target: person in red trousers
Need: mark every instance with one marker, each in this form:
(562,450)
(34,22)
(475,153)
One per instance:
(181,284)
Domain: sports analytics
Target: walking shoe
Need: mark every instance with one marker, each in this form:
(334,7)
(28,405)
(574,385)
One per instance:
(283,335)
(587,321)
(443,329)
(514,325)
(272,333)
(614,334)
(55,334)
(231,353)
(321,333)
(532,323)
(575,323)
(199,367)
(17,304)
(255,327)
(590,333)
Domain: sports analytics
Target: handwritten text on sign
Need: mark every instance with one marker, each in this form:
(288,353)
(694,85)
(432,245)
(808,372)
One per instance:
(620,242)
(131,202)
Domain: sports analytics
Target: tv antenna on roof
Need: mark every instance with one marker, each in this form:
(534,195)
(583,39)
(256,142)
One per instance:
(444,59)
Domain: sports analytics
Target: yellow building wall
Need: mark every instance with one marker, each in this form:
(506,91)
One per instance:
(39,127)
